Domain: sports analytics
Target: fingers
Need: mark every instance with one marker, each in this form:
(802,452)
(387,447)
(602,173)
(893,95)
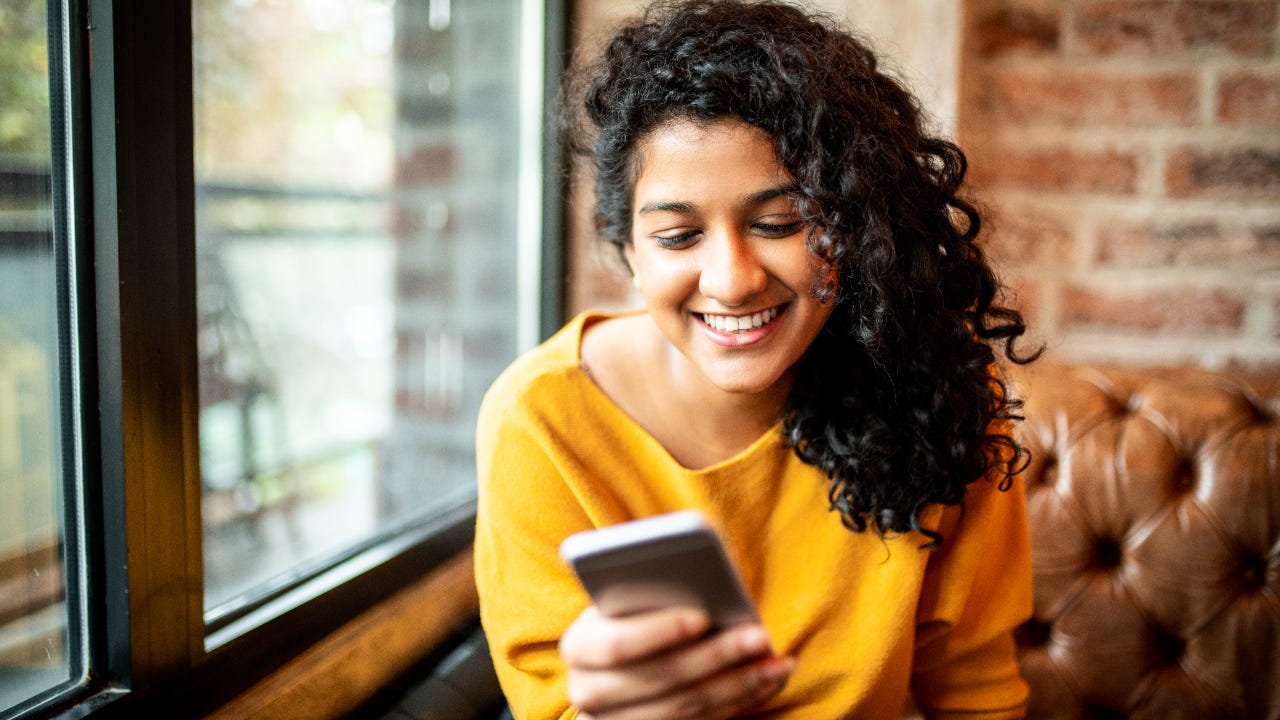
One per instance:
(662,674)
(724,695)
(661,665)
(594,641)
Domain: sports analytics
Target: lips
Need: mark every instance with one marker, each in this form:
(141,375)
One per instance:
(739,323)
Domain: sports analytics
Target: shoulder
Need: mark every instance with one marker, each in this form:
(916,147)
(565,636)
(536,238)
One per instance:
(546,381)
(536,371)
(612,346)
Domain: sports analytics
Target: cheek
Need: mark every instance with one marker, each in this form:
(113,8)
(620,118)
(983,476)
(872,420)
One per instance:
(803,271)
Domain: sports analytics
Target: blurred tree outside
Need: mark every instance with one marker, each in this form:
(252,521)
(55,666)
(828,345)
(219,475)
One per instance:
(24,84)
(294,114)
(294,92)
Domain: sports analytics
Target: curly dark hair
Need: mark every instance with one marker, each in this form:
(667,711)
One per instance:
(896,400)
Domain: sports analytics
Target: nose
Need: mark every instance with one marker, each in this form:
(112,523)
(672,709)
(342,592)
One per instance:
(731,272)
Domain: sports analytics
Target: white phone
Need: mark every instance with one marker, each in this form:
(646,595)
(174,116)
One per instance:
(663,561)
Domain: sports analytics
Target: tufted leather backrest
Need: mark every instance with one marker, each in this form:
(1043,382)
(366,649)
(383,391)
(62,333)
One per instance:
(1154,502)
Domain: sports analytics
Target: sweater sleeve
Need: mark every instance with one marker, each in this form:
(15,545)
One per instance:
(977,590)
(527,595)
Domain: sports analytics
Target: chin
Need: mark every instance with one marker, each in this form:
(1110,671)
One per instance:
(746,386)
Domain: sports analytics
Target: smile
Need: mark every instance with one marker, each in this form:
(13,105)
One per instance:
(739,323)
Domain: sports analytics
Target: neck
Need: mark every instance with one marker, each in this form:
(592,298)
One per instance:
(731,420)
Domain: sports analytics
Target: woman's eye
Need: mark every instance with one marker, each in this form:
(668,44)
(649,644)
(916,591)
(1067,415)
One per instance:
(778,230)
(672,242)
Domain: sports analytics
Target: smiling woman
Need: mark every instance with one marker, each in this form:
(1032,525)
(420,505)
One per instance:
(816,336)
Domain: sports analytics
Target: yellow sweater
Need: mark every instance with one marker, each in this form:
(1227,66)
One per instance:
(867,620)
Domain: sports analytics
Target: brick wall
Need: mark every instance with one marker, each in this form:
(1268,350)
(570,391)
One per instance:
(454,220)
(597,278)
(1129,155)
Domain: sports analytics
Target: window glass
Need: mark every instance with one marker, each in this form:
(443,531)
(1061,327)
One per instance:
(356,193)
(35,653)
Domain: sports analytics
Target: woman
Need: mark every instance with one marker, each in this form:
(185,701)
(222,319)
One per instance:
(812,370)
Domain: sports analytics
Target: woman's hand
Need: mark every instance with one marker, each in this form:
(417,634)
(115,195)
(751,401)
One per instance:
(664,665)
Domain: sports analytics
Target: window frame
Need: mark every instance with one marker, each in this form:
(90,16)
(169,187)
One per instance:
(123,81)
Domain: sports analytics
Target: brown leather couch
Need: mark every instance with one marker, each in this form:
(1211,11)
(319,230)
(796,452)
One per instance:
(1154,501)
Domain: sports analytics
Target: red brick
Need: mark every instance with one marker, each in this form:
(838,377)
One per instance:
(1060,170)
(1020,237)
(1189,312)
(1248,99)
(1248,173)
(1016,30)
(409,345)
(418,43)
(1122,244)
(428,284)
(1161,27)
(1096,99)
(405,223)
(427,165)
(1128,244)
(1022,292)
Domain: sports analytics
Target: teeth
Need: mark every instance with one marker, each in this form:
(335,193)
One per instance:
(737,323)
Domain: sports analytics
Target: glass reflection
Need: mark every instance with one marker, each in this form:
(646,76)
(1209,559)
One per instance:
(356,198)
(34,621)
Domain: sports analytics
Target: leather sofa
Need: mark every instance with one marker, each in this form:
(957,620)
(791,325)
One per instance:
(1154,503)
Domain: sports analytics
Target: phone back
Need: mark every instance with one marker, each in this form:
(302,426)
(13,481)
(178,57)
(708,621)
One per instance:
(666,561)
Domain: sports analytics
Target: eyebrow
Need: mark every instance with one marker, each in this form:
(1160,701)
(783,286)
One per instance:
(680,206)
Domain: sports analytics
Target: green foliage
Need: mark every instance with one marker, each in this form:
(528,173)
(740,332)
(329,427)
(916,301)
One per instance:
(276,82)
(24,80)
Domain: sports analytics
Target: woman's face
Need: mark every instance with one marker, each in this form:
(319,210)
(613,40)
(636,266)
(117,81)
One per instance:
(720,254)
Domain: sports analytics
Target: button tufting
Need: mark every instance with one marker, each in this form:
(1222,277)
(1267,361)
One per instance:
(1262,415)
(1097,712)
(1253,574)
(1184,477)
(1049,473)
(1169,648)
(1033,633)
(1122,406)
(1106,554)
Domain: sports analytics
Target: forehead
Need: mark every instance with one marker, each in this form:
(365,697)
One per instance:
(722,156)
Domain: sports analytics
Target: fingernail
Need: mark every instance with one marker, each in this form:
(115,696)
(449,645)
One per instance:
(695,622)
(780,669)
(772,675)
(754,641)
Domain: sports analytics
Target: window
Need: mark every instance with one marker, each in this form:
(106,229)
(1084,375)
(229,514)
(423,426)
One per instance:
(256,270)
(357,215)
(41,647)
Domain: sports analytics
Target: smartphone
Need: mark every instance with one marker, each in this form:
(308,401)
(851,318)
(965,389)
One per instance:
(658,562)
